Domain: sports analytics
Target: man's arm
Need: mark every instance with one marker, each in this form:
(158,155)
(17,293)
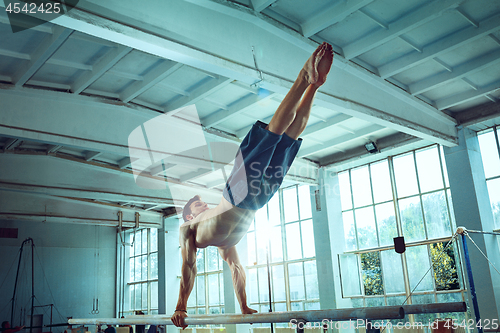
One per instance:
(188,274)
(239,280)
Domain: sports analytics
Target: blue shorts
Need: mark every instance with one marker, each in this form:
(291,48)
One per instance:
(261,164)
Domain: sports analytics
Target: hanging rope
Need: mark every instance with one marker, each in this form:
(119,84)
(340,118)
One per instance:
(466,233)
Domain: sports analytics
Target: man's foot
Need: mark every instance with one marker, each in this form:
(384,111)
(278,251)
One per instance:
(311,65)
(324,65)
(247,310)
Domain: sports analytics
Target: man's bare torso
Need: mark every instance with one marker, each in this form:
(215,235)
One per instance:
(223,226)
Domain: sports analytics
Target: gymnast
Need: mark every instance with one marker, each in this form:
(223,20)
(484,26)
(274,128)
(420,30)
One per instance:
(264,157)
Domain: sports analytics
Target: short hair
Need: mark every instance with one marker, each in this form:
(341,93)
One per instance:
(4,324)
(187,209)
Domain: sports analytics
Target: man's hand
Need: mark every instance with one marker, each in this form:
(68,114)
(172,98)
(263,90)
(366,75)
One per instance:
(178,319)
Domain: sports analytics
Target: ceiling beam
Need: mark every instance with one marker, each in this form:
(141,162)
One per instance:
(448,102)
(408,22)
(339,140)
(46,208)
(12,144)
(195,174)
(335,120)
(235,109)
(478,114)
(458,72)
(198,93)
(44,51)
(155,75)
(90,155)
(334,14)
(441,46)
(388,146)
(52,149)
(98,69)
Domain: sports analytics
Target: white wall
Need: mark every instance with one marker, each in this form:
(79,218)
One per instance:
(65,269)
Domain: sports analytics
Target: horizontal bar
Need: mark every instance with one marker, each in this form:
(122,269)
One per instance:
(383,312)
(435,308)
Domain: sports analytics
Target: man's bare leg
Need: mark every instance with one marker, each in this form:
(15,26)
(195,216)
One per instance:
(304,109)
(239,279)
(286,112)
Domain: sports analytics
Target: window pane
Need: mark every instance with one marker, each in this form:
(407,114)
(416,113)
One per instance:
(345,190)
(429,169)
(361,191)
(154,266)
(214,310)
(132,269)
(452,212)
(137,270)
(411,219)
(221,287)
(274,210)
(261,222)
(262,246)
(276,244)
(252,286)
(144,242)
(311,276)
(293,246)
(436,215)
(144,262)
(494,193)
(372,273)
(305,202)
(406,178)
(280,307)
(200,260)
(489,154)
(418,260)
(154,240)
(212,259)
(381,181)
(312,306)
(200,290)
(279,292)
(386,223)
(297,306)
(138,296)
(393,272)
(365,225)
(349,231)
(375,301)
(290,204)
(213,289)
(263,285)
(252,258)
(445,269)
(445,170)
(137,243)
(296,276)
(308,238)
(132,296)
(154,295)
(349,275)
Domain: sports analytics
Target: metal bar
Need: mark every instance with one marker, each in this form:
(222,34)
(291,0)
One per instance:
(471,283)
(384,312)
(435,308)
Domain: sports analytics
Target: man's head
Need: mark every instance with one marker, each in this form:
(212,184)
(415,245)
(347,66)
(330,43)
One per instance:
(193,207)
(5,324)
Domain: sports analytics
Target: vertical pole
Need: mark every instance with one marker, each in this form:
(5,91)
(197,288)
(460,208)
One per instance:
(471,284)
(32,283)
(15,284)
(269,283)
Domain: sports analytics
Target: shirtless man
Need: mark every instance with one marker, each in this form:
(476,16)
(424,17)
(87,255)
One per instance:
(250,186)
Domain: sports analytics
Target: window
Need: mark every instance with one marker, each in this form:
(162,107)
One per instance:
(143,267)
(283,232)
(404,195)
(488,143)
